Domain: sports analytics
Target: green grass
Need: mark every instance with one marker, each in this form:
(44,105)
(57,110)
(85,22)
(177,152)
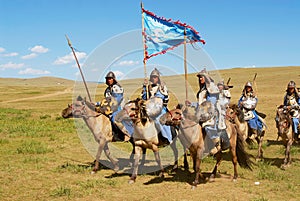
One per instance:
(42,157)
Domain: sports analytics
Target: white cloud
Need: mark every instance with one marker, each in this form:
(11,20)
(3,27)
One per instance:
(29,56)
(39,49)
(127,63)
(12,54)
(30,71)
(69,58)
(119,74)
(2,49)
(11,65)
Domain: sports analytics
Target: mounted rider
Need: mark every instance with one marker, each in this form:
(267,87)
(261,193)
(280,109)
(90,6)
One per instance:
(222,103)
(157,88)
(112,103)
(292,103)
(248,102)
(215,127)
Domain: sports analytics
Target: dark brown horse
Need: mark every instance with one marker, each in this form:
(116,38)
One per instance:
(284,126)
(192,136)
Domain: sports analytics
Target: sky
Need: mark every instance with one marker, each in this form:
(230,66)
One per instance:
(107,36)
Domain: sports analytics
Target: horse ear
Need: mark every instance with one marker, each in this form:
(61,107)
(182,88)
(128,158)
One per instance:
(84,99)
(179,106)
(69,105)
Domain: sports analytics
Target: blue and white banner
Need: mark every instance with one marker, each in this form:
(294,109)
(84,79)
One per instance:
(161,35)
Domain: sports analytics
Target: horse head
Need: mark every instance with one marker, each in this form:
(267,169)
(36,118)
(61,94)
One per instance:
(67,112)
(234,111)
(205,111)
(82,108)
(283,120)
(172,117)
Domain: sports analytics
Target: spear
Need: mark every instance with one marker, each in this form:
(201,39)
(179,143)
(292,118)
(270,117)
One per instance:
(87,90)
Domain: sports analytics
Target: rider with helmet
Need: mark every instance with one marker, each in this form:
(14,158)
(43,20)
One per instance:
(157,88)
(247,103)
(292,103)
(112,102)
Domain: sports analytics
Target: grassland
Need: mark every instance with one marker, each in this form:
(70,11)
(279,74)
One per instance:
(42,157)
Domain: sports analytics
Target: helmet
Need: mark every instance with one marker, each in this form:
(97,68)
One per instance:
(248,84)
(155,72)
(110,74)
(291,84)
(202,73)
(221,83)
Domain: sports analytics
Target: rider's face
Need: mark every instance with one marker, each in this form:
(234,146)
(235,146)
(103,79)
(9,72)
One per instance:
(291,89)
(202,79)
(248,89)
(154,79)
(109,81)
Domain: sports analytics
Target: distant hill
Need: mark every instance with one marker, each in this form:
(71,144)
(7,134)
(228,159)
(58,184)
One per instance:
(40,81)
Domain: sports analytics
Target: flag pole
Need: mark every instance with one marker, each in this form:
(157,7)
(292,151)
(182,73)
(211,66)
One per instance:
(185,66)
(144,60)
(70,44)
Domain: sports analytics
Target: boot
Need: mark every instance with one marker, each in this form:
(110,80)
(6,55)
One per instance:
(124,130)
(217,147)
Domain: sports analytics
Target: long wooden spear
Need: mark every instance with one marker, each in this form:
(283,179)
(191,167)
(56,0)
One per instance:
(86,88)
(185,66)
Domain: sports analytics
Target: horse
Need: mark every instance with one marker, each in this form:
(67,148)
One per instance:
(146,135)
(98,123)
(192,135)
(236,115)
(284,126)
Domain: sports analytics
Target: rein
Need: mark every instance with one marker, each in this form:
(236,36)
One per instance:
(83,111)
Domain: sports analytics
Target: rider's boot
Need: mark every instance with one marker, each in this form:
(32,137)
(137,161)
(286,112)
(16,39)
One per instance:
(124,130)
(217,146)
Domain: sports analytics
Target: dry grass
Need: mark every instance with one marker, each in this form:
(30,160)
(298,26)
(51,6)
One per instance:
(42,157)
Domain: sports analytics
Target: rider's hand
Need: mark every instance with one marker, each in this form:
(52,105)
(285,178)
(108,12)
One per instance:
(145,82)
(188,103)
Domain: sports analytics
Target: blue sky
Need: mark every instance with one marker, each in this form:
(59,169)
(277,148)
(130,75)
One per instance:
(248,33)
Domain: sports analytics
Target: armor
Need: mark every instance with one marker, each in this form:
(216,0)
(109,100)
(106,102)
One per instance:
(155,72)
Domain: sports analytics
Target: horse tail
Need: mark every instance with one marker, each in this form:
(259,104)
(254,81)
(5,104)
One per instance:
(244,159)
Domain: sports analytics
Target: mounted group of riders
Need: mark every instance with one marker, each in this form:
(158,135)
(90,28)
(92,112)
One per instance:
(217,94)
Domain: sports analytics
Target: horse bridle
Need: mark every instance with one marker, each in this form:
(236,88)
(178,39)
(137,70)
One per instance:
(82,111)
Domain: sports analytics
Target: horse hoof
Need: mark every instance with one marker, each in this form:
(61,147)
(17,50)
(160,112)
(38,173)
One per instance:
(193,187)
(131,181)
(234,180)
(93,172)
(211,179)
(283,167)
(174,168)
(116,169)
(161,175)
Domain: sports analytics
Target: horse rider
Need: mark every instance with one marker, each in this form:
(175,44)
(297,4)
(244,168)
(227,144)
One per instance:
(114,92)
(292,103)
(222,103)
(215,126)
(248,102)
(157,88)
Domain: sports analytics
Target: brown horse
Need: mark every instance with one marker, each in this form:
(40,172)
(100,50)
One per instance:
(145,134)
(98,123)
(236,115)
(192,136)
(284,126)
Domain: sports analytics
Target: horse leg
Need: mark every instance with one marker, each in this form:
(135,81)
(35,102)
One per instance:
(175,152)
(144,150)
(185,160)
(287,159)
(102,143)
(197,163)
(112,160)
(157,158)
(259,140)
(214,172)
(137,156)
(234,162)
